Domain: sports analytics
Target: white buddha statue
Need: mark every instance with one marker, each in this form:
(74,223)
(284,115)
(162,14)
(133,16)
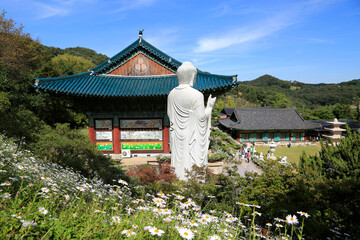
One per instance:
(190,122)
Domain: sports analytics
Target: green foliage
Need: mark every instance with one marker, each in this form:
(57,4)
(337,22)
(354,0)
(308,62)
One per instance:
(332,178)
(342,111)
(218,156)
(64,65)
(71,148)
(340,161)
(229,102)
(88,54)
(4,102)
(324,113)
(19,54)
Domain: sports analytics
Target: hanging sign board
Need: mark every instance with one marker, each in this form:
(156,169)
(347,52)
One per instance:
(141,123)
(142,145)
(103,124)
(104,135)
(136,135)
(104,146)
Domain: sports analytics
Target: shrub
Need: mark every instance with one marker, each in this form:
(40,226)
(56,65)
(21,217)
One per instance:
(145,174)
(148,174)
(218,156)
(71,148)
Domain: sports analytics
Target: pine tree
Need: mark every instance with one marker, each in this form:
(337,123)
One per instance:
(341,161)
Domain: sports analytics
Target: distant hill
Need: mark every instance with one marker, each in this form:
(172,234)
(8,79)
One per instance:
(268,90)
(268,81)
(86,53)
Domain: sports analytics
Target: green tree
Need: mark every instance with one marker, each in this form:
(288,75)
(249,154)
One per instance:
(19,53)
(63,65)
(339,161)
(229,102)
(333,179)
(356,102)
(323,113)
(342,111)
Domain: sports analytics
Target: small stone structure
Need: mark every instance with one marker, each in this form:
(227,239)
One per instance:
(335,131)
(272,146)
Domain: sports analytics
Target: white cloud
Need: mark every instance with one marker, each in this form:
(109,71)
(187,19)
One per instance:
(242,35)
(60,8)
(51,11)
(255,31)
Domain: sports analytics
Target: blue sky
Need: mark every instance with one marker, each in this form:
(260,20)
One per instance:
(310,41)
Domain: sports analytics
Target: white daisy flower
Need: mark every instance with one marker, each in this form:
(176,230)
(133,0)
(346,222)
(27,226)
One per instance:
(156,232)
(6,183)
(185,212)
(128,233)
(179,197)
(257,213)
(159,202)
(28,223)
(143,208)
(231,219)
(303,214)
(16,216)
(116,219)
(292,219)
(193,224)
(214,237)
(207,217)
(42,210)
(186,233)
(123,182)
(167,220)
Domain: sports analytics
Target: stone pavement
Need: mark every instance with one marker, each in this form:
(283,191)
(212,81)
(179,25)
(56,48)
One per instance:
(243,167)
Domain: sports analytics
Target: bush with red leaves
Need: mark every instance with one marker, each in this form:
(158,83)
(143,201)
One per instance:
(149,174)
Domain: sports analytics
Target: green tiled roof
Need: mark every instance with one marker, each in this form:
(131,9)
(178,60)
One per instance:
(87,85)
(98,83)
(134,48)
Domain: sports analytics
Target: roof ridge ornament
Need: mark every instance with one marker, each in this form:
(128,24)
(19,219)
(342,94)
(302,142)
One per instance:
(140,35)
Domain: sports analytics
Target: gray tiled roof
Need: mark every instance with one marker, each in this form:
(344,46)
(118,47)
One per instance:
(267,119)
(227,111)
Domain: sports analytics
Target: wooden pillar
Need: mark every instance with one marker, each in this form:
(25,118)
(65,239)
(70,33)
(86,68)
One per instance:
(166,139)
(116,140)
(92,134)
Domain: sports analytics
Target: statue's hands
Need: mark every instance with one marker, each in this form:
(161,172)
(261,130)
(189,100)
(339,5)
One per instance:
(211,102)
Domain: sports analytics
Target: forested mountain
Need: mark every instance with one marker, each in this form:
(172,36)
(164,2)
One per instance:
(314,101)
(88,54)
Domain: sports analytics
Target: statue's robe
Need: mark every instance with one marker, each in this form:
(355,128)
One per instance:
(190,129)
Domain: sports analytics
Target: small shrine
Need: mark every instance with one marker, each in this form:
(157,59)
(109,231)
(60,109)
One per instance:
(125,97)
(335,131)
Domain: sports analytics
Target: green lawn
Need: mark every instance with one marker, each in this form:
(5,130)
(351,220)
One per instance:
(293,153)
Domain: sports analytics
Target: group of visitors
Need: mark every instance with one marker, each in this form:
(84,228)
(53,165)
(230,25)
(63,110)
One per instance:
(248,152)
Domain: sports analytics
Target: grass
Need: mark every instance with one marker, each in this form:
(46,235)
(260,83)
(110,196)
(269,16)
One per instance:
(293,153)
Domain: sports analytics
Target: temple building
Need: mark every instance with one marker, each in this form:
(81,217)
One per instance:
(125,97)
(266,124)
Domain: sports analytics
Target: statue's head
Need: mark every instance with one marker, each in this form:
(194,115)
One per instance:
(186,74)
